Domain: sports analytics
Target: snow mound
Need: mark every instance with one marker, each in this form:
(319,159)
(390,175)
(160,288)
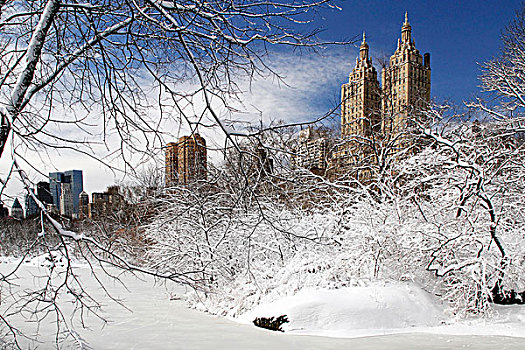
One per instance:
(379,308)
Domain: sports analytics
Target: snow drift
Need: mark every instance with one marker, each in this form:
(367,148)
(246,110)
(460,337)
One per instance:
(375,309)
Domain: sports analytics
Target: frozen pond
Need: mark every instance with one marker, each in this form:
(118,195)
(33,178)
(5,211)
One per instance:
(156,322)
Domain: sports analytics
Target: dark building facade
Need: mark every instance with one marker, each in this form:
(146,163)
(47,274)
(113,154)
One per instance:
(71,182)
(4,212)
(43,192)
(16,210)
(31,206)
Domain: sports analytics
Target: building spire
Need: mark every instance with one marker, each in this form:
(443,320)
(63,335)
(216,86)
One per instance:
(406,30)
(363,50)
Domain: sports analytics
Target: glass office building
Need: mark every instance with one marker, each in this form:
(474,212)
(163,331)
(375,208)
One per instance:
(74,180)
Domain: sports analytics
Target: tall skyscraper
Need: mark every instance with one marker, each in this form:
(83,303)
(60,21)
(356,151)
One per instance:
(172,164)
(406,84)
(55,179)
(66,199)
(72,182)
(370,113)
(361,99)
(186,160)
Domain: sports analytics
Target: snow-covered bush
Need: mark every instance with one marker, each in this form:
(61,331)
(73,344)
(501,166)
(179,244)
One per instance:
(449,218)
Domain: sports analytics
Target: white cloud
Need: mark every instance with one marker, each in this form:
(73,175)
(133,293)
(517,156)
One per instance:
(310,87)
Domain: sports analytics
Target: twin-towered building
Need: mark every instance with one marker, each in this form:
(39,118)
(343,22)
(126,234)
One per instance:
(373,115)
(369,110)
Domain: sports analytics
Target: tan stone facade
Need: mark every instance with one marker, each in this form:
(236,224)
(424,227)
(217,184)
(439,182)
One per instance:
(370,114)
(312,150)
(186,160)
(361,99)
(406,85)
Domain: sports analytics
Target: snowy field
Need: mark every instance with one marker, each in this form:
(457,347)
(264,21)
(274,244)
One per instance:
(382,316)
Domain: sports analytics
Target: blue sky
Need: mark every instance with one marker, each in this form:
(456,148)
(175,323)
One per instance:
(458,35)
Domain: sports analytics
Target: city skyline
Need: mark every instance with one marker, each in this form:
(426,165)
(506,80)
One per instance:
(444,29)
(258,156)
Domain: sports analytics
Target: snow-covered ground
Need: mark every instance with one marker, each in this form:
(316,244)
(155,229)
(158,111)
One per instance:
(382,308)
(319,319)
(355,311)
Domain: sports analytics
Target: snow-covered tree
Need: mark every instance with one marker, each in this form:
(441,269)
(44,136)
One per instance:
(107,74)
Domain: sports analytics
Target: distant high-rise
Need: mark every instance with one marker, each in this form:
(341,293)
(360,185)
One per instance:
(361,99)
(72,182)
(43,192)
(172,164)
(55,179)
(16,210)
(83,206)
(105,203)
(312,150)
(66,199)
(186,160)
(31,206)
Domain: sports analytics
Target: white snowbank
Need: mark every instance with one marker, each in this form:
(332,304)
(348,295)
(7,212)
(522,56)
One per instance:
(379,308)
(382,308)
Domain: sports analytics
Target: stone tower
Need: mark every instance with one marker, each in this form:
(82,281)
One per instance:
(406,85)
(360,99)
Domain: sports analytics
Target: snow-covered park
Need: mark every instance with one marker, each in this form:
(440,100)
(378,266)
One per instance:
(403,229)
(387,315)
